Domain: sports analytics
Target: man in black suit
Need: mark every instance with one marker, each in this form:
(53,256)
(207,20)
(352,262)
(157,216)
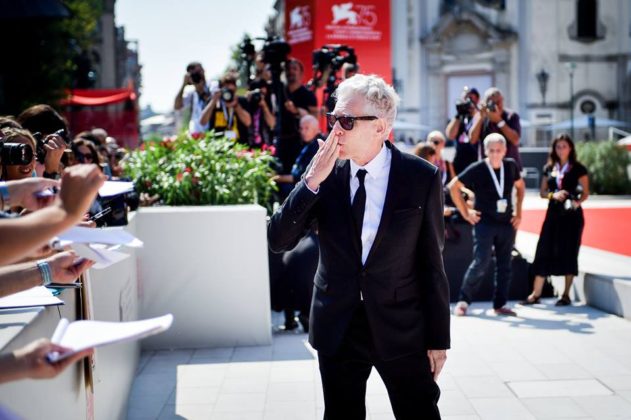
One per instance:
(381,296)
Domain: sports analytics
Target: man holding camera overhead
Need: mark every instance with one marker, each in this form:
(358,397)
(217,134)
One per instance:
(193,100)
(492,117)
(226,112)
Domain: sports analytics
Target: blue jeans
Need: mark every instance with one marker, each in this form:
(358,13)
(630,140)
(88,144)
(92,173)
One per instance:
(487,236)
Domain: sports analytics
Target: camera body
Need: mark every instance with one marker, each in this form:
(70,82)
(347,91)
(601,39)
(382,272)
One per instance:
(227,95)
(491,106)
(256,96)
(463,107)
(15,153)
(41,142)
(196,77)
(573,197)
(328,60)
(275,52)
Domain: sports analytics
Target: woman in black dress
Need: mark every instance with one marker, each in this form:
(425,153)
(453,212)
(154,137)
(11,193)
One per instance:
(566,185)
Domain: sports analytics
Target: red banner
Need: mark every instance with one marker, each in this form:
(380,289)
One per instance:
(364,26)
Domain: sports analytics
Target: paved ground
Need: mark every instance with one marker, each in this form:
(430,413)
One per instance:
(549,363)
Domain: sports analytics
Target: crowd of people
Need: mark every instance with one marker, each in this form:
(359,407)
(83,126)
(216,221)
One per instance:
(49,183)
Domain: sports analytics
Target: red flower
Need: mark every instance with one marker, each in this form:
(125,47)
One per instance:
(197,136)
(179,177)
(188,170)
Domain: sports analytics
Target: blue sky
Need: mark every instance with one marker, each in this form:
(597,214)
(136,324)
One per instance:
(171,33)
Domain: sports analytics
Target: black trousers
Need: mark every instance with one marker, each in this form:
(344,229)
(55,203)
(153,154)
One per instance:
(409,381)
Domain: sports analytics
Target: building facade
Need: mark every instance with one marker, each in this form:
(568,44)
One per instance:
(553,60)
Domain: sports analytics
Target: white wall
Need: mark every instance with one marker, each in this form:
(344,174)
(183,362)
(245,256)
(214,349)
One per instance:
(208,266)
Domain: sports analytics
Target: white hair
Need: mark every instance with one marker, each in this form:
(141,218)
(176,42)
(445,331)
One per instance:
(380,98)
(493,138)
(490,92)
(309,119)
(433,134)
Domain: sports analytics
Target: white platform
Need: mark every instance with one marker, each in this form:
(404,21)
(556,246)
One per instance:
(208,266)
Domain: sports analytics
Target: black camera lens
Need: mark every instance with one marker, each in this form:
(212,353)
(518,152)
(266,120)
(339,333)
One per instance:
(227,95)
(196,77)
(15,154)
(256,96)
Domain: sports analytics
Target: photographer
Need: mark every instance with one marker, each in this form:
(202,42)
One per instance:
(260,108)
(492,117)
(298,102)
(226,112)
(50,131)
(458,129)
(14,170)
(195,98)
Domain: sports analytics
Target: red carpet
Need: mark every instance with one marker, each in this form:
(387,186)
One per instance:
(605,229)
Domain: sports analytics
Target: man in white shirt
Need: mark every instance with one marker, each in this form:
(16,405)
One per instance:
(381,296)
(193,96)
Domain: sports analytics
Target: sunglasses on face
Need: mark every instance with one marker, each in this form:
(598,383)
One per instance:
(82,157)
(437,142)
(347,123)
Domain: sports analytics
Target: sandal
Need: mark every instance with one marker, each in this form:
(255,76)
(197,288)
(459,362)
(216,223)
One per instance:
(530,301)
(564,301)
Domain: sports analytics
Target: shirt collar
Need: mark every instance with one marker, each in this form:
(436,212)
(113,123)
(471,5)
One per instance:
(376,167)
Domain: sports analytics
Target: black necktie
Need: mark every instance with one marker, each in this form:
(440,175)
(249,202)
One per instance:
(359,201)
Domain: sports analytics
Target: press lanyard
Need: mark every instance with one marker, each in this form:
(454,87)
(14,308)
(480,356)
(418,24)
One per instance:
(226,113)
(499,186)
(561,173)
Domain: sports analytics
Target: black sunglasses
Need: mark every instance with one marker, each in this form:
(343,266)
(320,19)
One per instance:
(346,123)
(82,157)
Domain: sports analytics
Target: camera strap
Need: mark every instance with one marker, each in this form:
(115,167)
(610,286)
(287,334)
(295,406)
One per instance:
(561,173)
(228,115)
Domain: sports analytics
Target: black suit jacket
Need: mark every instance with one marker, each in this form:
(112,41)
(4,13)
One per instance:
(403,283)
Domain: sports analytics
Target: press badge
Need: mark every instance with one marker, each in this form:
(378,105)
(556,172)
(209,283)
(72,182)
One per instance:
(502,205)
(231,134)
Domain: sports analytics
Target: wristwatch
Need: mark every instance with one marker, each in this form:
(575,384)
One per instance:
(44,270)
(501,124)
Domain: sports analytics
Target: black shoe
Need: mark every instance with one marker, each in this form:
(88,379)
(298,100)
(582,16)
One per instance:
(564,301)
(304,321)
(529,301)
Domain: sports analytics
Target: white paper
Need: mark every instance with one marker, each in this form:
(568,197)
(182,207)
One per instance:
(110,236)
(113,188)
(81,335)
(37,296)
(102,255)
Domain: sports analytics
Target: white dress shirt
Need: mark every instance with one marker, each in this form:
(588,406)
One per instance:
(376,184)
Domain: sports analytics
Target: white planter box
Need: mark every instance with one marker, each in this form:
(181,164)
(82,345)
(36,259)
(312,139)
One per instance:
(208,266)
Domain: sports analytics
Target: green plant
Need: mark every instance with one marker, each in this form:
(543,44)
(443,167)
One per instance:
(206,170)
(607,165)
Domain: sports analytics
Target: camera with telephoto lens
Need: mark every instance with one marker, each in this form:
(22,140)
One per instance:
(572,198)
(41,141)
(491,106)
(327,61)
(275,52)
(227,95)
(15,153)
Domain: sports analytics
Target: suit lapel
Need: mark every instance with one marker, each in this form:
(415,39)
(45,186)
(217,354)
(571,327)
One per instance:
(343,182)
(395,182)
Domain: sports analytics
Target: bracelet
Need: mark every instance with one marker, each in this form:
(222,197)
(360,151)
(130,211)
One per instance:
(4,194)
(44,270)
(501,124)
(550,195)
